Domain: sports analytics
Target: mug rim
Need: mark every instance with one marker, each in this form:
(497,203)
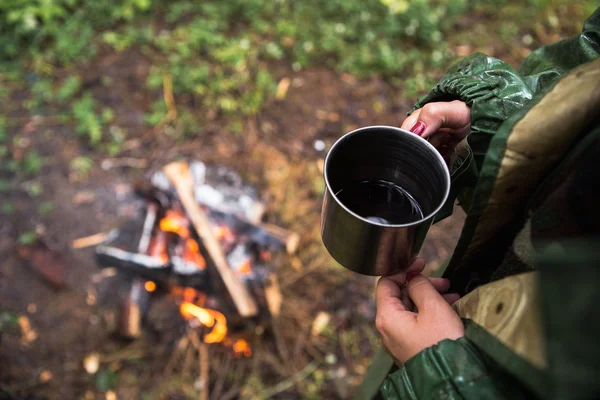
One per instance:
(404,132)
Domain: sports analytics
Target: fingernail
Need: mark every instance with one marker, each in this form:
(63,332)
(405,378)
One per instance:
(411,275)
(418,128)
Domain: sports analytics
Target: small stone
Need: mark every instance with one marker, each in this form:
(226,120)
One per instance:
(83,197)
(45,376)
(32,308)
(320,323)
(91,363)
(527,39)
(319,145)
(28,334)
(330,359)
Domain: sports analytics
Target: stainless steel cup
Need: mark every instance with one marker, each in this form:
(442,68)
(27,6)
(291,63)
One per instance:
(390,154)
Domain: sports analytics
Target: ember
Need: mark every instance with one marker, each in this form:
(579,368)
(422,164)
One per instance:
(242,347)
(150,286)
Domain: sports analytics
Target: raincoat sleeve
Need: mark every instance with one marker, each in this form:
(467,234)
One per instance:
(452,369)
(494,90)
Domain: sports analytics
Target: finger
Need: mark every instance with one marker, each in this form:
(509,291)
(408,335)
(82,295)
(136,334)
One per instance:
(440,284)
(389,305)
(451,298)
(400,278)
(388,294)
(424,294)
(410,121)
(454,115)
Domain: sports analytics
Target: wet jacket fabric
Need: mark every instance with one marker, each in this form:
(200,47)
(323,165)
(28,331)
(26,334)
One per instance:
(528,260)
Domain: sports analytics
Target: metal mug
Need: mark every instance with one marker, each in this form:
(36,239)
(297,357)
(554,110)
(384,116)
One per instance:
(384,153)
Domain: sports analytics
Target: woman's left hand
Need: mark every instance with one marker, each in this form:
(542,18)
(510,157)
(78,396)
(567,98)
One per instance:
(444,124)
(406,331)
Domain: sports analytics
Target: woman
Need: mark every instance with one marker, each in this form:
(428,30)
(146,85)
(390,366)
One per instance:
(524,147)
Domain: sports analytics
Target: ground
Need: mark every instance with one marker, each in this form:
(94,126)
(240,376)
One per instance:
(320,105)
(275,151)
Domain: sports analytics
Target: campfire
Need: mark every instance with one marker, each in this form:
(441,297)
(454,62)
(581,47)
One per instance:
(199,242)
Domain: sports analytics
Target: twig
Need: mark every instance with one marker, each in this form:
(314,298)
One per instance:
(168,96)
(343,344)
(293,278)
(236,385)
(131,352)
(182,345)
(216,393)
(110,163)
(280,344)
(187,362)
(291,381)
(203,367)
(204,370)
(92,240)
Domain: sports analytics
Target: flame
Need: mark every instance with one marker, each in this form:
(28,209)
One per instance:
(188,294)
(192,254)
(158,246)
(242,347)
(150,286)
(176,222)
(246,267)
(209,318)
(224,233)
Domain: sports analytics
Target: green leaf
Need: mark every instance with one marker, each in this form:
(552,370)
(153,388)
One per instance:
(27,238)
(105,380)
(7,208)
(33,163)
(8,320)
(46,207)
(5,186)
(68,89)
(82,165)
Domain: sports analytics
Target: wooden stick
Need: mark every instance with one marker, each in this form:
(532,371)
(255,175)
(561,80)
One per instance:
(273,295)
(291,239)
(203,366)
(181,178)
(91,240)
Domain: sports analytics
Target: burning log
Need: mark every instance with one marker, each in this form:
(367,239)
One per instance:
(181,178)
(137,300)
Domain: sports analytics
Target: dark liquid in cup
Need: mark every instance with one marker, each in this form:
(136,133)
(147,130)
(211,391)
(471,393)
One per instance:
(380,201)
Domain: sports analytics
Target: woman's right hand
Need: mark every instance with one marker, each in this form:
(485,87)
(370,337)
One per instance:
(445,123)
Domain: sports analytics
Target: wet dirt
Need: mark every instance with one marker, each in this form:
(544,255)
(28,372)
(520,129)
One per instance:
(276,151)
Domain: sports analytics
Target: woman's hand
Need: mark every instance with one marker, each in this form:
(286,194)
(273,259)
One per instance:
(406,329)
(446,123)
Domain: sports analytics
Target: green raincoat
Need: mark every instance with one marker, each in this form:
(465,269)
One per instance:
(528,260)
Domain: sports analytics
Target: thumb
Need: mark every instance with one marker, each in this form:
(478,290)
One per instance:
(452,115)
(425,295)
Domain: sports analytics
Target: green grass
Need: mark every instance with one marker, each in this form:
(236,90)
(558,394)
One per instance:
(218,54)
(214,57)
(215,52)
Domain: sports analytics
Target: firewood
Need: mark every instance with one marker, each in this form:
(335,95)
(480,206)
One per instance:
(289,238)
(181,178)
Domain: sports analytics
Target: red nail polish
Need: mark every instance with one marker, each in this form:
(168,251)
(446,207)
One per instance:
(418,128)
(412,275)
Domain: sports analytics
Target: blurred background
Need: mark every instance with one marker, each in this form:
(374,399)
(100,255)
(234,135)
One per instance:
(97,95)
